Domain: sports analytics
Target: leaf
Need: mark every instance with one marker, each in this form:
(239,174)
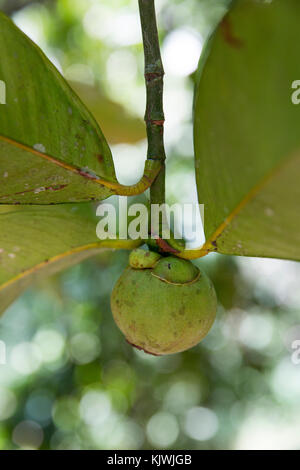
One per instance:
(50,145)
(247,132)
(36,242)
(118,125)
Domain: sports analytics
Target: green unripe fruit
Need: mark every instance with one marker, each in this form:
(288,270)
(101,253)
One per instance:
(165,309)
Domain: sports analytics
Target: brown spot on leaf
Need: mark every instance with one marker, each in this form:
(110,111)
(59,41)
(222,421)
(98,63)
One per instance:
(228,34)
(57,187)
(86,175)
(47,188)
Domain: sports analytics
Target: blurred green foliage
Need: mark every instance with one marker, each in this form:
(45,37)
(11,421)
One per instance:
(71,381)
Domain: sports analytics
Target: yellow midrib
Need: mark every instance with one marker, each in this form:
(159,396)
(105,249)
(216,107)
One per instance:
(109,244)
(152,168)
(55,161)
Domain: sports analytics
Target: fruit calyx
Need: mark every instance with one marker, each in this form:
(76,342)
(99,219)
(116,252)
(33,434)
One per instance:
(168,269)
(176,271)
(142,259)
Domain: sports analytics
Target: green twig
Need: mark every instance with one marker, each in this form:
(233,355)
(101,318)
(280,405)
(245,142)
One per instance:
(154,116)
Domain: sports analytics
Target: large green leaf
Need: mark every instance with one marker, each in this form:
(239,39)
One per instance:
(36,242)
(247,132)
(118,125)
(44,118)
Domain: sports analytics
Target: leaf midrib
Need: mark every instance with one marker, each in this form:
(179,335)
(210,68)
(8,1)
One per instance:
(67,166)
(107,244)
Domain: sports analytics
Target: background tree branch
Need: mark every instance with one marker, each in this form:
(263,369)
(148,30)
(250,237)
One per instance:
(154,116)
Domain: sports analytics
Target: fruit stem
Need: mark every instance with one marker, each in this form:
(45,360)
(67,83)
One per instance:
(154,115)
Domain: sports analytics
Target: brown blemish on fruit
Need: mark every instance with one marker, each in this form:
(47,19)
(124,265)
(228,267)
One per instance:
(142,349)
